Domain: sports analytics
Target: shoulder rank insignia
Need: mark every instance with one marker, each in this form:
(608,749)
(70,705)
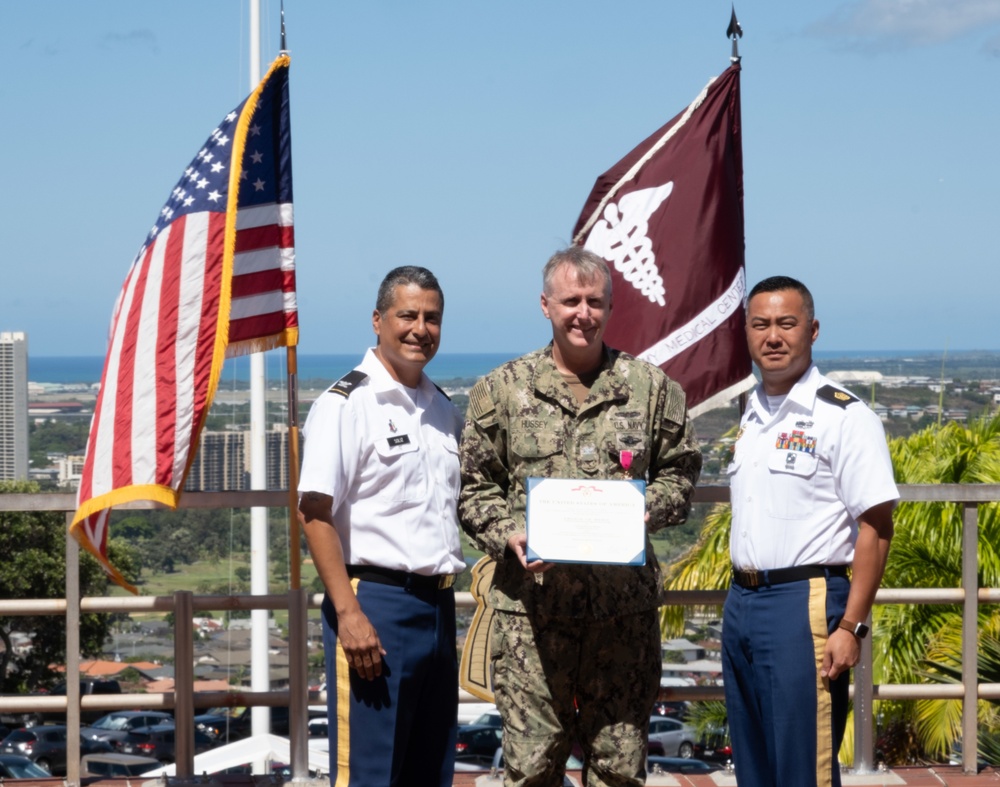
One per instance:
(347,383)
(836,396)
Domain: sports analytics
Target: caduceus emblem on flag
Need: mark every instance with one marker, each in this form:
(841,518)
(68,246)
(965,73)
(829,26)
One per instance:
(215,276)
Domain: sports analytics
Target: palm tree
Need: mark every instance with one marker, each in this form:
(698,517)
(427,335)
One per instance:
(917,643)
(705,566)
(944,666)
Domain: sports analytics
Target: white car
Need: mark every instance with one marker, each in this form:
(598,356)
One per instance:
(489,719)
(469,712)
(676,737)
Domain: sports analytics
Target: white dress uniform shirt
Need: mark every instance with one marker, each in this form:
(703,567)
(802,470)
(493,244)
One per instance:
(388,456)
(802,476)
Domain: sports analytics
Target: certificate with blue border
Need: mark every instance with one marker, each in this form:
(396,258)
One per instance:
(574,520)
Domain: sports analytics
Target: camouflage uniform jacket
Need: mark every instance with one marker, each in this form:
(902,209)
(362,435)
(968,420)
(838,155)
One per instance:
(524,421)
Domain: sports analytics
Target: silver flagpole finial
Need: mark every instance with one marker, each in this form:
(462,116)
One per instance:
(734,31)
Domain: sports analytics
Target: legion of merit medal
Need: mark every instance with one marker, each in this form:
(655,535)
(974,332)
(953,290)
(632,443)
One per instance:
(625,457)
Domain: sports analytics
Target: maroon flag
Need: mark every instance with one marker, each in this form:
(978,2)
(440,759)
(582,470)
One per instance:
(668,218)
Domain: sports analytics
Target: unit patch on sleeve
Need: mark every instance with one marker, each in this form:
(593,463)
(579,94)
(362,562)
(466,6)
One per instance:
(347,383)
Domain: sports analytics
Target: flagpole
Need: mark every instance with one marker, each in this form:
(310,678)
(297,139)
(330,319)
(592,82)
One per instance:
(295,539)
(260,667)
(735,32)
(292,372)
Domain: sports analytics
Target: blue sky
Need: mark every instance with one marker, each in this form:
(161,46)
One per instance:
(466,136)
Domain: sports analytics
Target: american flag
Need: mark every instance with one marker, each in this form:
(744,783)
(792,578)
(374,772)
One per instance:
(214,277)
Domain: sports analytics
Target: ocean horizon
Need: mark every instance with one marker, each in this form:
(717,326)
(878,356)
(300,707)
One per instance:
(445,366)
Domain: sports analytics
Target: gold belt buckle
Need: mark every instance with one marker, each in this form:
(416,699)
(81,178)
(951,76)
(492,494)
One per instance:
(749,579)
(445,581)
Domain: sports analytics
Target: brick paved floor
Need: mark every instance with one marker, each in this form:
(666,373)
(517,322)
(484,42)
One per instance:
(936,776)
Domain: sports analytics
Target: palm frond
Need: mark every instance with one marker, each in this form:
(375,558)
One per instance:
(705,566)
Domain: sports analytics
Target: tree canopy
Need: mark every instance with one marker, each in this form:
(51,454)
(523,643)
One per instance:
(33,545)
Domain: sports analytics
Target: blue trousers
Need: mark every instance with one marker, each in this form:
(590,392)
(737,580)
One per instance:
(400,728)
(785,721)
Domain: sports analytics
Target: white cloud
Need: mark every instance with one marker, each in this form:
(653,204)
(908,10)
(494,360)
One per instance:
(882,24)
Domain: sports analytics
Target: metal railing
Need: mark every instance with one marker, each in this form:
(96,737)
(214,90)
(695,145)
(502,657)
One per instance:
(183,700)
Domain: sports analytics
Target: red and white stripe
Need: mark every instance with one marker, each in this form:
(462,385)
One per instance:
(263,294)
(158,369)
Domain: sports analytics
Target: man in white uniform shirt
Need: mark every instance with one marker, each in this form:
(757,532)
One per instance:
(378,492)
(812,495)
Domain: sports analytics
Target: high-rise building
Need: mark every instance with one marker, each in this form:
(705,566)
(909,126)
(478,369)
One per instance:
(219,464)
(223,461)
(13,405)
(277,456)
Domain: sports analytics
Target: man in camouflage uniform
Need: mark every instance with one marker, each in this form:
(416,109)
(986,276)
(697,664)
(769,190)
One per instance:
(576,648)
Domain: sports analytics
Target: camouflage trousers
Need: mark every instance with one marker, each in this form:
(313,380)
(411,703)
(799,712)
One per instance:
(563,680)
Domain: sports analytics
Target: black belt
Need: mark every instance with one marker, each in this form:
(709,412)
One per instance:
(752,578)
(401,579)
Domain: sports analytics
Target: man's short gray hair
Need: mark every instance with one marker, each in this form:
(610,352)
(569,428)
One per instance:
(588,267)
(400,277)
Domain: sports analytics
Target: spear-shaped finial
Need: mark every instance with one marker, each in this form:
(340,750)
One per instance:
(285,48)
(735,31)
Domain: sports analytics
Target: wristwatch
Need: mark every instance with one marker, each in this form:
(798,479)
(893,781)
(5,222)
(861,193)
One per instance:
(859,630)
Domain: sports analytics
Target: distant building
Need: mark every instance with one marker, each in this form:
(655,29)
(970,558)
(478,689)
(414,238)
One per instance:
(688,650)
(220,463)
(13,405)
(41,410)
(277,456)
(70,470)
(223,461)
(858,377)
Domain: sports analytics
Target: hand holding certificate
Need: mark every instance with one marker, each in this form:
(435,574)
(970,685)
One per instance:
(572,520)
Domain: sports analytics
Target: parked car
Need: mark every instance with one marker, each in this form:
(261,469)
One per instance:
(88,687)
(468,712)
(116,766)
(715,746)
(159,743)
(490,718)
(116,725)
(677,710)
(319,728)
(678,765)
(233,724)
(477,744)
(45,745)
(17,766)
(677,738)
